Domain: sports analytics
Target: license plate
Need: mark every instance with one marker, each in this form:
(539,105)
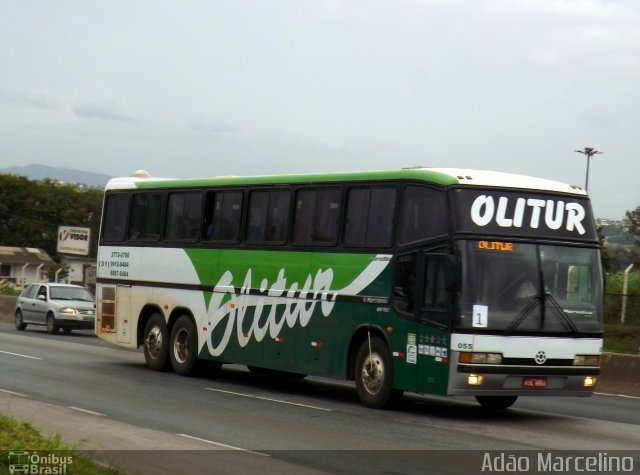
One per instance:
(534,383)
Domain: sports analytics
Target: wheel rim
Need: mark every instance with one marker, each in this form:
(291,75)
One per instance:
(153,342)
(18,319)
(50,323)
(181,346)
(373,373)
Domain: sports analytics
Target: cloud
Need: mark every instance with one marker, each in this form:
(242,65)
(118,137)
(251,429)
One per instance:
(90,109)
(610,49)
(20,99)
(565,36)
(212,126)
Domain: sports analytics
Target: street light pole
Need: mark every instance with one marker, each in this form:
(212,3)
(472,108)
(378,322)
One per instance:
(588,152)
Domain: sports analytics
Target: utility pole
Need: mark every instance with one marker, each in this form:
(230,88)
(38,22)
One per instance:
(588,152)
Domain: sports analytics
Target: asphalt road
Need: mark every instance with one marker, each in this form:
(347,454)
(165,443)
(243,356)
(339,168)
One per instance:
(103,399)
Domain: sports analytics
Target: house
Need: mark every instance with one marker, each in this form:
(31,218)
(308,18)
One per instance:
(24,265)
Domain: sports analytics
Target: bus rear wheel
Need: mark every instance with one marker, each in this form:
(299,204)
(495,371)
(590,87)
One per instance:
(374,374)
(184,346)
(496,403)
(155,343)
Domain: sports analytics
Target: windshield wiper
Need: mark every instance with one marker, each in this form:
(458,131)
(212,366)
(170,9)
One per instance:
(563,317)
(522,316)
(526,311)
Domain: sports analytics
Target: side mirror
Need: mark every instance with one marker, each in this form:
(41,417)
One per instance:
(42,297)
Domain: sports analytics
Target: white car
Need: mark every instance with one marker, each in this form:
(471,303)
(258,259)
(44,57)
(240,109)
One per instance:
(56,306)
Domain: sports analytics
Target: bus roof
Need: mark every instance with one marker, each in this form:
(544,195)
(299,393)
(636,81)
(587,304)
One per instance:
(440,176)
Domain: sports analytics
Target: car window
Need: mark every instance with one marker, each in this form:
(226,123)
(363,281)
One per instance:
(42,291)
(30,292)
(71,293)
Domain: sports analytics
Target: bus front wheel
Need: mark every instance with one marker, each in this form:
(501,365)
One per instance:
(156,343)
(374,374)
(496,403)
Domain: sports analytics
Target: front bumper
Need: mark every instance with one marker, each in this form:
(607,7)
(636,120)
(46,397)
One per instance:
(79,322)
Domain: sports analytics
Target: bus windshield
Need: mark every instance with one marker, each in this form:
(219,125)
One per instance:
(514,288)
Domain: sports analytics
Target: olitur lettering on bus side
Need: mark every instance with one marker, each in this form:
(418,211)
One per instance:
(227,304)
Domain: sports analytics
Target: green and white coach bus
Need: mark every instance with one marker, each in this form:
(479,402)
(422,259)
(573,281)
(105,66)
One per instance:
(436,281)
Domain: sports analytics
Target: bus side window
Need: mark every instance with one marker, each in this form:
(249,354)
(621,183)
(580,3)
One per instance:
(316,216)
(423,214)
(370,212)
(115,217)
(183,216)
(327,216)
(146,216)
(268,216)
(405,283)
(223,211)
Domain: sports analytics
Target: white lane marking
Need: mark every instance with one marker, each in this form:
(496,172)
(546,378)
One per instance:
(269,399)
(226,446)
(617,395)
(13,393)
(22,356)
(87,411)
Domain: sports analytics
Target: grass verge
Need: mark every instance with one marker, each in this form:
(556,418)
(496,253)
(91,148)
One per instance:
(622,339)
(23,446)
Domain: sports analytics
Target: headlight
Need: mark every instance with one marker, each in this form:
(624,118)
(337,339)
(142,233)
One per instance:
(586,360)
(481,358)
(68,311)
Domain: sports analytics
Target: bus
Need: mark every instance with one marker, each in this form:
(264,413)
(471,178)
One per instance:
(430,280)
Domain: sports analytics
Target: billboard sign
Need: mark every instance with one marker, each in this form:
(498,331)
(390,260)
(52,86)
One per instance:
(72,240)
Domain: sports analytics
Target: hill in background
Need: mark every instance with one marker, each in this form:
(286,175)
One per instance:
(67,175)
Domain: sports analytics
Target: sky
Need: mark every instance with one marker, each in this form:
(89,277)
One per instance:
(250,87)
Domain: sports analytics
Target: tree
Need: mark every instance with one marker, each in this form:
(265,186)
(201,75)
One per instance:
(608,261)
(31,211)
(634,228)
(634,222)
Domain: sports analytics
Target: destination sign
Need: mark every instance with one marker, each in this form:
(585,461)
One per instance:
(524,214)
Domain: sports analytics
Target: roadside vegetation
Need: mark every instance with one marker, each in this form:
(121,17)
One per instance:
(9,290)
(622,337)
(22,438)
(31,211)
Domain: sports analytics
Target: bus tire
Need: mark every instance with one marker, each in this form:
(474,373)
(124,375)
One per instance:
(156,343)
(183,351)
(374,374)
(496,403)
